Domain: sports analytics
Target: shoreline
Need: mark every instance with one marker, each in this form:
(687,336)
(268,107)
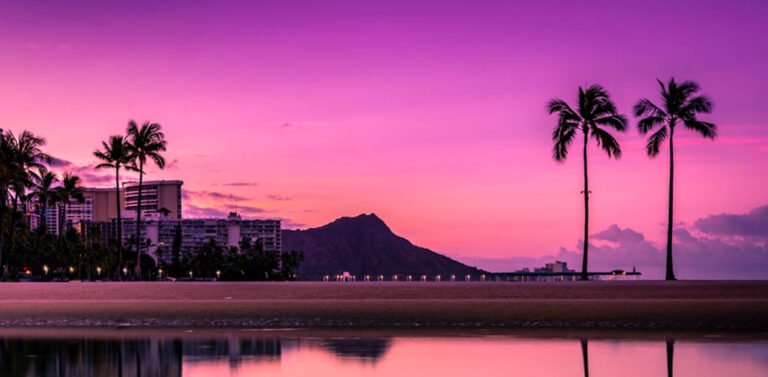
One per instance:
(362,333)
(722,306)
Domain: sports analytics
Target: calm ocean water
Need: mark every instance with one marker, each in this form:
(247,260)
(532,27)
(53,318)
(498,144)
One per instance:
(377,353)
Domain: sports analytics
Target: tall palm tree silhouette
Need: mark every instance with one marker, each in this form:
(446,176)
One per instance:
(116,155)
(70,189)
(680,104)
(594,109)
(145,143)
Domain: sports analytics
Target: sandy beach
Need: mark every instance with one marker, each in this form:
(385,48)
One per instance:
(686,305)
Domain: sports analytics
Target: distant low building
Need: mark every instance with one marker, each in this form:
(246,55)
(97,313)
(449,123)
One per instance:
(556,267)
(556,271)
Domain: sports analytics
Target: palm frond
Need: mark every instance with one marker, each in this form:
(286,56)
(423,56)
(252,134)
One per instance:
(616,121)
(563,137)
(698,104)
(646,124)
(606,142)
(645,106)
(706,129)
(654,141)
(559,106)
(688,88)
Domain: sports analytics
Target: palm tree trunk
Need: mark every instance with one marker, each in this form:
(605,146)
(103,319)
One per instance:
(586,212)
(11,242)
(3,198)
(63,220)
(138,223)
(119,227)
(670,270)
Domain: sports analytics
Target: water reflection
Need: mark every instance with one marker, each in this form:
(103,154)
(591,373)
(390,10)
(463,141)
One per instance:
(358,348)
(239,355)
(585,356)
(670,356)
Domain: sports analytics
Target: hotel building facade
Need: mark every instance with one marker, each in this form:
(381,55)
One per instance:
(100,204)
(161,230)
(161,217)
(155,196)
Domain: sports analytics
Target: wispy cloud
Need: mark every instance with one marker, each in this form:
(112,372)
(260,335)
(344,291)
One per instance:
(245,210)
(214,195)
(193,211)
(278,198)
(239,184)
(220,211)
(88,174)
(58,162)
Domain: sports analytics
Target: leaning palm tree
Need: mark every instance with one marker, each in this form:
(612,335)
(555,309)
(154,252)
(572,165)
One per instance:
(681,104)
(145,144)
(70,189)
(116,155)
(594,109)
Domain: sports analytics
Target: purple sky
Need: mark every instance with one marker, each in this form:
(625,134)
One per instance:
(430,114)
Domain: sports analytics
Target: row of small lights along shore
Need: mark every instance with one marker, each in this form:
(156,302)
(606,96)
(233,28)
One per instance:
(367,278)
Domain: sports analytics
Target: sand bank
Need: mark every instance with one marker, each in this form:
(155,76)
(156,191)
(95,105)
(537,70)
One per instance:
(694,305)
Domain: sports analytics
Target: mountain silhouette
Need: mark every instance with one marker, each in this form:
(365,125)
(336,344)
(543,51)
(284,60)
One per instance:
(365,245)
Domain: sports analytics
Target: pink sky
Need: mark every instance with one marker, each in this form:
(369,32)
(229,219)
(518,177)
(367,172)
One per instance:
(430,114)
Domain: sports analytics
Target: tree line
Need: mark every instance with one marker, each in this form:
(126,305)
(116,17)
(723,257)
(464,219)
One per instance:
(681,104)
(29,252)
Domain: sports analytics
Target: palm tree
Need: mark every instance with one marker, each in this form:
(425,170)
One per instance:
(594,109)
(45,193)
(681,104)
(18,155)
(145,144)
(70,189)
(116,154)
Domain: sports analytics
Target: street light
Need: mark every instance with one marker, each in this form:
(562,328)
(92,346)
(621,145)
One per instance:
(45,269)
(98,270)
(218,274)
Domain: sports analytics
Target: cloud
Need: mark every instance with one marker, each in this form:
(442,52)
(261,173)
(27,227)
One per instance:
(286,223)
(278,198)
(300,124)
(58,163)
(222,211)
(714,255)
(244,210)
(193,211)
(89,175)
(216,195)
(90,179)
(172,165)
(752,224)
(240,184)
